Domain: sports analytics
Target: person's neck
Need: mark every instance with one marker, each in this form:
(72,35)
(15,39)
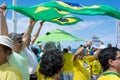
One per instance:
(15,50)
(56,77)
(112,70)
(3,61)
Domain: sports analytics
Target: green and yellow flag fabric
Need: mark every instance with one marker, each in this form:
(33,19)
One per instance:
(66,20)
(56,11)
(84,10)
(39,12)
(50,14)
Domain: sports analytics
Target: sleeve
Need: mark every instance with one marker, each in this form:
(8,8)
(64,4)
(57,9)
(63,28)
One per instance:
(13,75)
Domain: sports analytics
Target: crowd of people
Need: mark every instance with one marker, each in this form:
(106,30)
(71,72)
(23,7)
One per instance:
(20,59)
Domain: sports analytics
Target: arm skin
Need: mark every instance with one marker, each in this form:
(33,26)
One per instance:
(3,24)
(27,33)
(80,50)
(37,33)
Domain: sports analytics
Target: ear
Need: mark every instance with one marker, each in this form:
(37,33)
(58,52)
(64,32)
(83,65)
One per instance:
(111,62)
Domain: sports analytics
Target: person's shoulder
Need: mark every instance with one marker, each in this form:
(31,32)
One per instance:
(109,76)
(17,56)
(14,71)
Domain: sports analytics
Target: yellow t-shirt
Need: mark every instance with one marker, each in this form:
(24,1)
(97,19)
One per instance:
(49,78)
(96,67)
(9,72)
(109,76)
(42,77)
(80,73)
(85,62)
(68,62)
(39,75)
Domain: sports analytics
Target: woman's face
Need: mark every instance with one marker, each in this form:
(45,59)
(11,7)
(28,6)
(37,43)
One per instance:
(18,45)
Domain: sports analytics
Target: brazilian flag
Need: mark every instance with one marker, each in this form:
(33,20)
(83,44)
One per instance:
(84,10)
(39,12)
(66,20)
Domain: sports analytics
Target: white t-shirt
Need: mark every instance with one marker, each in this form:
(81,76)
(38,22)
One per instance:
(32,60)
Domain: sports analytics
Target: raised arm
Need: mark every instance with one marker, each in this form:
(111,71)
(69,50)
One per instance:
(97,53)
(3,23)
(80,50)
(37,33)
(28,33)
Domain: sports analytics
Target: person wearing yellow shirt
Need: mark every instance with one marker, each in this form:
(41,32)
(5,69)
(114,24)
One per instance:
(110,61)
(51,65)
(7,71)
(82,65)
(68,65)
(96,69)
(85,62)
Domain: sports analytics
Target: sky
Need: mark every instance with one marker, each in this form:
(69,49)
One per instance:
(103,27)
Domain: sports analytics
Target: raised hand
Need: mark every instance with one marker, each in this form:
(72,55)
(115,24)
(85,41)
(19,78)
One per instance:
(3,8)
(41,22)
(32,21)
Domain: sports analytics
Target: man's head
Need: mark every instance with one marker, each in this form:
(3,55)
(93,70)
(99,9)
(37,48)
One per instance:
(65,50)
(110,58)
(17,40)
(69,48)
(49,46)
(51,63)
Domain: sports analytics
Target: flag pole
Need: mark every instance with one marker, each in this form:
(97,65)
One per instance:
(118,33)
(14,17)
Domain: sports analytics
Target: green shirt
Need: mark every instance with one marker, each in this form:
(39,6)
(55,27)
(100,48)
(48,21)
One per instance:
(21,63)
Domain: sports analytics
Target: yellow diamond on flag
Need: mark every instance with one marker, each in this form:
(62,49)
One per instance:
(41,8)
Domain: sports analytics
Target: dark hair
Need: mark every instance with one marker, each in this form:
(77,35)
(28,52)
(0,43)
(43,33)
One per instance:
(65,50)
(24,33)
(35,50)
(105,55)
(15,37)
(109,45)
(51,62)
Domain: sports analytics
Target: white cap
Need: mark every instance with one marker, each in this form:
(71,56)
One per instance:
(5,40)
